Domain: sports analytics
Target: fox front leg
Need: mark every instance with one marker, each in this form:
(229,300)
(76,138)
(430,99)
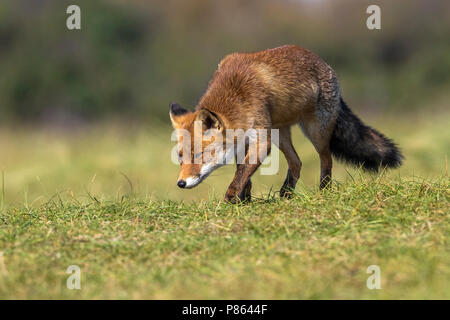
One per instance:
(239,189)
(246,194)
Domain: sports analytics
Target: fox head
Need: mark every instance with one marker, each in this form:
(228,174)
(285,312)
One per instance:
(201,145)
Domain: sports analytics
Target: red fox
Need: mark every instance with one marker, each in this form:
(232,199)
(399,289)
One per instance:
(275,89)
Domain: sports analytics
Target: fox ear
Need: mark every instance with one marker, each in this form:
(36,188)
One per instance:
(175,111)
(209,119)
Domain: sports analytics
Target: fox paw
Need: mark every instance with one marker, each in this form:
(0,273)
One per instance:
(232,198)
(286,192)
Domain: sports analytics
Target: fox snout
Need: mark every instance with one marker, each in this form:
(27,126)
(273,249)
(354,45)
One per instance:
(192,174)
(190,182)
(189,175)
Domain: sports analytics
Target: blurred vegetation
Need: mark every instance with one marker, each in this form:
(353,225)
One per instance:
(132,57)
(111,161)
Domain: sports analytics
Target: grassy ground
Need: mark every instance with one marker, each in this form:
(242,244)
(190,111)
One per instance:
(105,199)
(318,245)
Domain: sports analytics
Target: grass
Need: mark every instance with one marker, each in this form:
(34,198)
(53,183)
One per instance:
(104,198)
(101,160)
(317,246)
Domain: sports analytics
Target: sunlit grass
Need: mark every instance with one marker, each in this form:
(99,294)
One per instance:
(109,161)
(317,245)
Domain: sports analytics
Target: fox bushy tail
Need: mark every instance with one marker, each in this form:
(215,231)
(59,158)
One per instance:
(354,142)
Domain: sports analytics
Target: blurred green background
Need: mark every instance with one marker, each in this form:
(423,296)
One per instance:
(132,57)
(86,111)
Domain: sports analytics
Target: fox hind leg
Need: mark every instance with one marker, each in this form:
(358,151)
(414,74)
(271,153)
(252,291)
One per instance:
(319,133)
(326,163)
(293,161)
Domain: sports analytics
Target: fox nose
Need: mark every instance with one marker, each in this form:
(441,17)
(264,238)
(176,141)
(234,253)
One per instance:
(181,183)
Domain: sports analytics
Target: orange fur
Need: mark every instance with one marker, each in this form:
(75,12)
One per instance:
(274,88)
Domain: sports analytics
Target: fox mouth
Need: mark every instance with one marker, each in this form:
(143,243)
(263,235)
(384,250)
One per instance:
(194,181)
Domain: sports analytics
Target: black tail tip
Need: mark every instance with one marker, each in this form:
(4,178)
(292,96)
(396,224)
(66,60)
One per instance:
(389,158)
(393,158)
